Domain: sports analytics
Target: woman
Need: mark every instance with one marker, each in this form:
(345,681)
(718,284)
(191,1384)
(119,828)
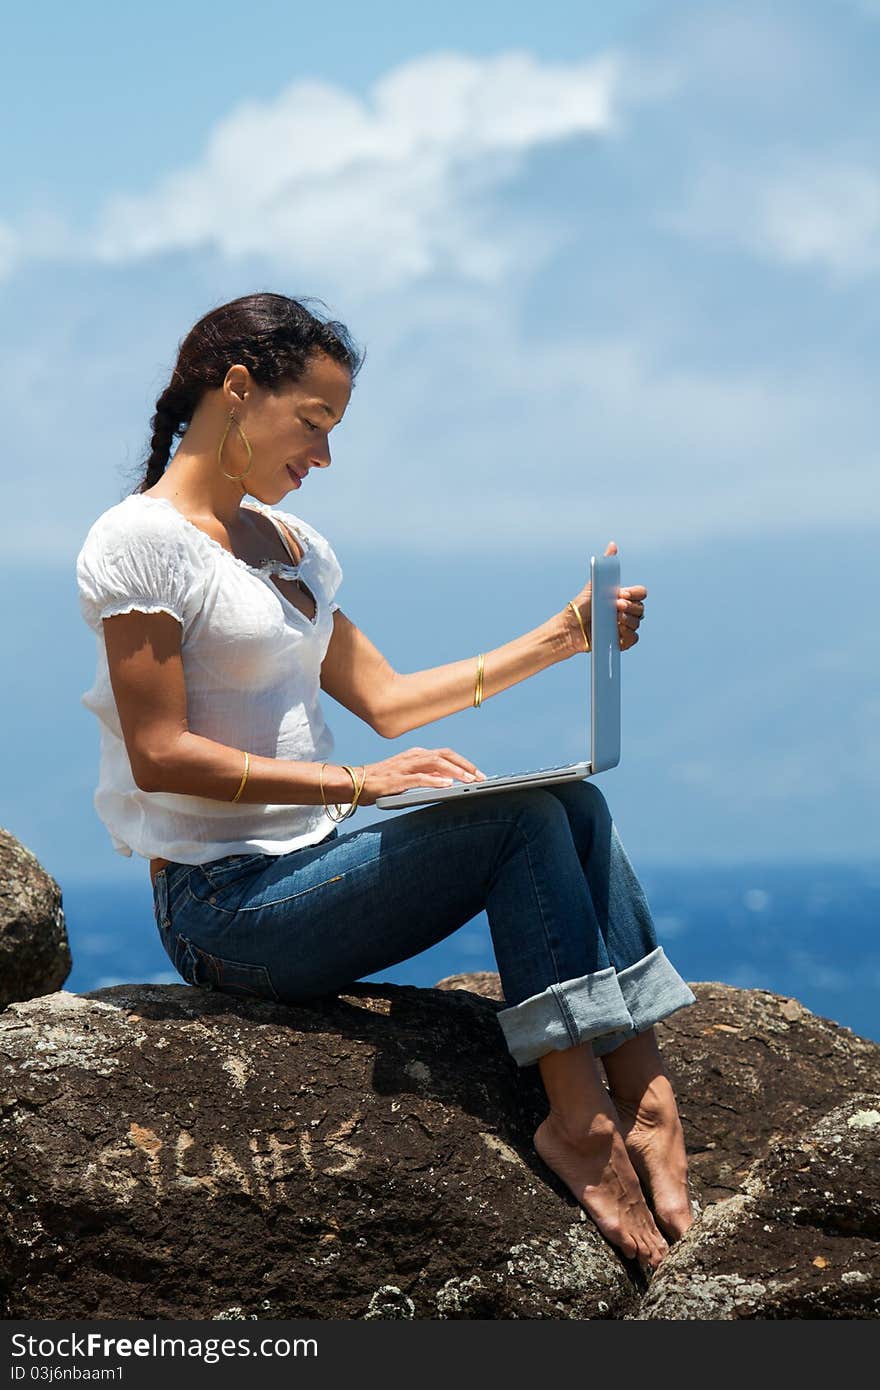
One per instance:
(216,627)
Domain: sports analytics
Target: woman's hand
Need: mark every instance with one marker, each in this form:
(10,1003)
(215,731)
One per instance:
(417,767)
(630,611)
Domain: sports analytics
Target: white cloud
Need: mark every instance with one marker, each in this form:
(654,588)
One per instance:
(389,189)
(815,973)
(95,943)
(670,926)
(756,899)
(474,944)
(793,210)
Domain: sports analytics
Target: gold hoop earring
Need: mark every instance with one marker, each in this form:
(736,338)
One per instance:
(235,476)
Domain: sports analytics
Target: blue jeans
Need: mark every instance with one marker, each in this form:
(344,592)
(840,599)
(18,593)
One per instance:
(573,936)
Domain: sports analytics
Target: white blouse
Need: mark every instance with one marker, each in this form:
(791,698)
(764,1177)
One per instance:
(251,661)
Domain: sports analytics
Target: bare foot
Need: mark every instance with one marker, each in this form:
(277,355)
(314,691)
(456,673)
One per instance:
(654,1140)
(595,1166)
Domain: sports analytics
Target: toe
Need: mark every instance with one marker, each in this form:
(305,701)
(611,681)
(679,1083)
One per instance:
(675,1218)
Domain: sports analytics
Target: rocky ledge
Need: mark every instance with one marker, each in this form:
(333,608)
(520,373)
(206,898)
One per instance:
(168,1152)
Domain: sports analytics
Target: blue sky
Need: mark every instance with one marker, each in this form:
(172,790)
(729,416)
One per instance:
(616,271)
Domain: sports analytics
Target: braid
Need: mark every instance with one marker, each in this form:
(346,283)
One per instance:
(173,412)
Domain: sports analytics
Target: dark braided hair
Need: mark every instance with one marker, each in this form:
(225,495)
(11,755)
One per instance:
(273,336)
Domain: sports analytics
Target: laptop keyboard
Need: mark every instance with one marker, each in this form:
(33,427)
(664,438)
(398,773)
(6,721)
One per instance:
(500,776)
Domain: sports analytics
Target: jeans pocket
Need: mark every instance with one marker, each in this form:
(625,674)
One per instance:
(160,902)
(168,889)
(242,979)
(219,873)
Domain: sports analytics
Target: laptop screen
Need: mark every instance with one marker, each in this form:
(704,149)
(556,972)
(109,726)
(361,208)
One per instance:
(605,664)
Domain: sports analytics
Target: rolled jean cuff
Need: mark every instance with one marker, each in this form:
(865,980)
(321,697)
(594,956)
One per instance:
(652,989)
(564,1015)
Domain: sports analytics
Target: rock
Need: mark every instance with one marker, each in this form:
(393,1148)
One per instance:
(169,1152)
(800,1241)
(34,952)
(486,983)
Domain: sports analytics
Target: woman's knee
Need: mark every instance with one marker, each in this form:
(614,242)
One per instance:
(585,805)
(584,795)
(526,807)
(590,795)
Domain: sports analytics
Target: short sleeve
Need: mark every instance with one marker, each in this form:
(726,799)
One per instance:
(144,561)
(331,571)
(329,568)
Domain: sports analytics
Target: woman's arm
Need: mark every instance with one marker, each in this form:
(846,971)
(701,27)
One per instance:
(147,678)
(359,677)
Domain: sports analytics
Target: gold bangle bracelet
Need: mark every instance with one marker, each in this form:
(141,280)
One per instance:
(359,786)
(357,789)
(478,689)
(573,605)
(339,815)
(247,766)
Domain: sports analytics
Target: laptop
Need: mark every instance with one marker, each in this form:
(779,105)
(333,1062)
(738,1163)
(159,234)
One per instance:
(604,708)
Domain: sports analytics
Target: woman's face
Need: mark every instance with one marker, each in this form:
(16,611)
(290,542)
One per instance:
(289,428)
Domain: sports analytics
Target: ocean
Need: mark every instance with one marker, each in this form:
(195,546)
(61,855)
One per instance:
(805,930)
